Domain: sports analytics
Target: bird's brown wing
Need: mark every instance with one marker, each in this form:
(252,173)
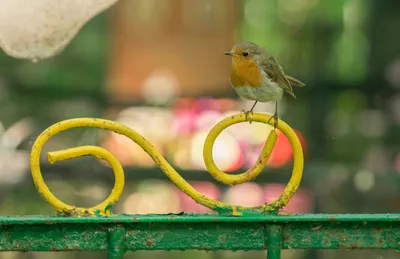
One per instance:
(275,72)
(294,82)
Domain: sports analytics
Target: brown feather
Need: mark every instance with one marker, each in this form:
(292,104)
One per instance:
(275,72)
(294,82)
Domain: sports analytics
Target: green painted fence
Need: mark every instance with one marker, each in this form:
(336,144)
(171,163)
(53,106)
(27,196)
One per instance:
(265,227)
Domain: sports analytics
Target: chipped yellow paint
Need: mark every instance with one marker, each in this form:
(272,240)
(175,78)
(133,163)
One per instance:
(104,207)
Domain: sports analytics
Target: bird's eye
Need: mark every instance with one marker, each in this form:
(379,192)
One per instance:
(245,54)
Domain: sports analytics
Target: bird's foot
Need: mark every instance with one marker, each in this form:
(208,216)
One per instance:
(246,114)
(275,116)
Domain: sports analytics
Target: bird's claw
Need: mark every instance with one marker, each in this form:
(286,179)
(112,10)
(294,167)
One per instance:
(275,116)
(246,114)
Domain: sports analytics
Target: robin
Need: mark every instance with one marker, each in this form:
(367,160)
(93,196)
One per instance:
(256,75)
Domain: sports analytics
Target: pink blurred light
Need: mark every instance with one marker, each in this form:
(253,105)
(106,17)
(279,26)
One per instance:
(185,122)
(206,104)
(247,194)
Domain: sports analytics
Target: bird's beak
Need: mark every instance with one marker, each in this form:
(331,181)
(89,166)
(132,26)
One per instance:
(229,53)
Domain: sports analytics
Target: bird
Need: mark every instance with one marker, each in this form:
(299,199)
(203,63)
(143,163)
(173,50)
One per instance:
(256,75)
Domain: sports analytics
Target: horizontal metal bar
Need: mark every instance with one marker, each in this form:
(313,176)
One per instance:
(199,218)
(203,232)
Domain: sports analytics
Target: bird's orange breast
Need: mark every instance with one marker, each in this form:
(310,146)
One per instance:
(245,73)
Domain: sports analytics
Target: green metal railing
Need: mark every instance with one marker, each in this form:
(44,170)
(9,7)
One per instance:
(265,227)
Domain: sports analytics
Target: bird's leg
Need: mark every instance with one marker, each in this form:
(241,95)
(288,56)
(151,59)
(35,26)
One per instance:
(254,105)
(275,116)
(251,111)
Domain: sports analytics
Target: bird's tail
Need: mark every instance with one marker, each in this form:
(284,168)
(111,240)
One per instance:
(295,82)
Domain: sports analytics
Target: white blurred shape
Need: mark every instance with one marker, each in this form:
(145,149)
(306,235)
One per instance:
(153,197)
(40,29)
(14,163)
(226,150)
(13,167)
(160,86)
(364,180)
(207,120)
(147,121)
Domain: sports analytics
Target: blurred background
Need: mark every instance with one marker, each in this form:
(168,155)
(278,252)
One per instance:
(158,67)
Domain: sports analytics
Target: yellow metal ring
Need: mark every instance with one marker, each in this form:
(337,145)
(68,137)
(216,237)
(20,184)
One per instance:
(104,207)
(253,172)
(181,183)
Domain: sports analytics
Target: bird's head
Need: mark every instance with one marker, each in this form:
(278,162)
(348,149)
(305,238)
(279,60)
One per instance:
(244,52)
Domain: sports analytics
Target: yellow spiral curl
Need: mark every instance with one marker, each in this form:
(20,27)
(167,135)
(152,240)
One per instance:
(104,207)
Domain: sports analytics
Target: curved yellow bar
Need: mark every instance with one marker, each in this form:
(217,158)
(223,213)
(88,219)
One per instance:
(253,172)
(181,183)
(250,174)
(100,153)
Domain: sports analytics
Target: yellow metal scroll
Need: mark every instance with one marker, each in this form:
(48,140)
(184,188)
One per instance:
(104,207)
